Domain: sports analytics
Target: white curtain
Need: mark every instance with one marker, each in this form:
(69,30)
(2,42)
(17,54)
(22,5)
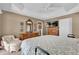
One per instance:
(65,26)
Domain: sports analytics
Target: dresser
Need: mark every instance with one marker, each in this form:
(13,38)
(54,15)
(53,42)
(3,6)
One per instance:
(28,35)
(53,31)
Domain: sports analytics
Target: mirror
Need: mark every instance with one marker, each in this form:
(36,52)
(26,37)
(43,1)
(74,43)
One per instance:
(29,26)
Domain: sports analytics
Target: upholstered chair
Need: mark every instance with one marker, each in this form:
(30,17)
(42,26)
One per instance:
(11,43)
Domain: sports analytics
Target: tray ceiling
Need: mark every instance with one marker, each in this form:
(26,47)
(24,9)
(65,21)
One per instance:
(41,10)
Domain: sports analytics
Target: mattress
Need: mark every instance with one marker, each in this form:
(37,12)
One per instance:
(54,45)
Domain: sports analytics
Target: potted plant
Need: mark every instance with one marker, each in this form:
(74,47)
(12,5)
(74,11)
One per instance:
(49,23)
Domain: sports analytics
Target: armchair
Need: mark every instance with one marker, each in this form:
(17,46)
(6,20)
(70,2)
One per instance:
(11,43)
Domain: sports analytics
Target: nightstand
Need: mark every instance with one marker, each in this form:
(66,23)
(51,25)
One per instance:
(1,47)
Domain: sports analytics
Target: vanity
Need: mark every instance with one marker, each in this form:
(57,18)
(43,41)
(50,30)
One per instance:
(26,35)
(30,32)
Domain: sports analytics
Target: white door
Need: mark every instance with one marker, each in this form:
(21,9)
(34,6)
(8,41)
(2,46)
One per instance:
(65,27)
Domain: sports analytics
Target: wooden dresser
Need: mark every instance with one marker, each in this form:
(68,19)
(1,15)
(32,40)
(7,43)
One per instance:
(28,35)
(53,31)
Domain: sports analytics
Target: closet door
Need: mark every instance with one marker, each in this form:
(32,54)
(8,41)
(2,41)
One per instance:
(65,27)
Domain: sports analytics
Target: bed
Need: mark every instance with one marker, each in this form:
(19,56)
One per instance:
(54,45)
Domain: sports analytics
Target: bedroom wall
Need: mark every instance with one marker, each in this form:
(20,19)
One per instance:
(11,23)
(75,25)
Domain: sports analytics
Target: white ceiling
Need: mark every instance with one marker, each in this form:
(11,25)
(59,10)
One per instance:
(41,10)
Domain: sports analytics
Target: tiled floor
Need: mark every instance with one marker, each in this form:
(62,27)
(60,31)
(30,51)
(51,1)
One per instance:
(3,52)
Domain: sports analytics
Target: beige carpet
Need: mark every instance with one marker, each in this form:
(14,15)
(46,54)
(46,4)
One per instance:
(3,52)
